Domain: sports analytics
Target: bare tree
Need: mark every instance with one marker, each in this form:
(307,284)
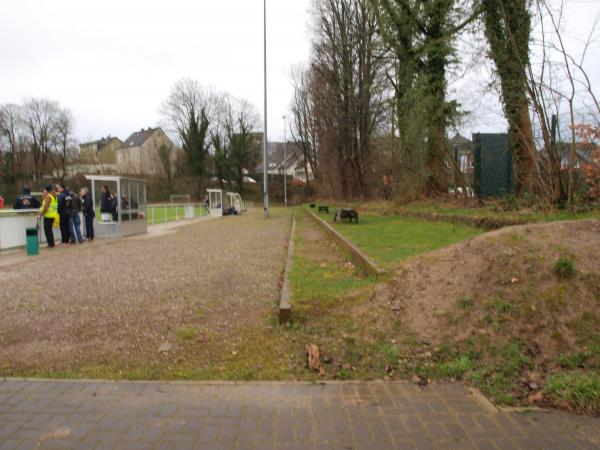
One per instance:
(187,113)
(304,126)
(243,151)
(350,99)
(13,143)
(63,142)
(40,117)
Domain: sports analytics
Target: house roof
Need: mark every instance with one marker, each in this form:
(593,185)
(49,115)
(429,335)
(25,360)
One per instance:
(138,138)
(459,140)
(276,152)
(101,142)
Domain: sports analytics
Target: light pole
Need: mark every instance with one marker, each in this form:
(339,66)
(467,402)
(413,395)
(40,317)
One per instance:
(265,137)
(285,161)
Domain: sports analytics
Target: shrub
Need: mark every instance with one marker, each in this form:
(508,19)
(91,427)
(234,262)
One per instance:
(564,268)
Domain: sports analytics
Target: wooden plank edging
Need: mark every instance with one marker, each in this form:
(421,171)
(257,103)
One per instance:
(357,255)
(285,306)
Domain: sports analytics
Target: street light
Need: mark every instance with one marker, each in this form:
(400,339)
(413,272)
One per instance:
(265,137)
(285,161)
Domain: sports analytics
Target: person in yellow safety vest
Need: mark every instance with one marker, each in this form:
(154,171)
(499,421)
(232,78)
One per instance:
(49,212)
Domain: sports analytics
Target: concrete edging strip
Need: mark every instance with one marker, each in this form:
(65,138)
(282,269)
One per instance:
(357,255)
(285,306)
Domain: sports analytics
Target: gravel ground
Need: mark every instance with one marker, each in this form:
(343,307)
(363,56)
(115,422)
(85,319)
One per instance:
(110,308)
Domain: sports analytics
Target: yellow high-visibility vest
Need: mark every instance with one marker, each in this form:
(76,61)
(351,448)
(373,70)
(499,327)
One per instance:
(52,212)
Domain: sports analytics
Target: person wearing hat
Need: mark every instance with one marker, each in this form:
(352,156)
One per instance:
(65,234)
(26,200)
(49,212)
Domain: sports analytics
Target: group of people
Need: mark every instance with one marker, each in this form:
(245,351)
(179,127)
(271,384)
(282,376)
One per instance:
(61,207)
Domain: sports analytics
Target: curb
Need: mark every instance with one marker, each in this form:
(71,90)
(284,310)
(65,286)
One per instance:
(285,307)
(355,253)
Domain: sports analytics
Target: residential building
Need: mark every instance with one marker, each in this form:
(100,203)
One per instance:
(287,158)
(139,154)
(98,156)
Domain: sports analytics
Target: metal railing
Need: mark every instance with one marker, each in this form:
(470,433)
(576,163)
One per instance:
(157,214)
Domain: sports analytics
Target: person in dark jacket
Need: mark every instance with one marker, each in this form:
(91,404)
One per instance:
(26,200)
(87,206)
(73,208)
(106,205)
(63,214)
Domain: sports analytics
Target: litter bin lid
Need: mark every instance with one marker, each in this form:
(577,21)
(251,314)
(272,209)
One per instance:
(31,231)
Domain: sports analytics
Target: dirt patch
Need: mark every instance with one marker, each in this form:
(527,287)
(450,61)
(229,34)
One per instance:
(515,264)
(508,288)
(110,308)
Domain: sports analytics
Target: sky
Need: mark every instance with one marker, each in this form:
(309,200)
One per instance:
(113,62)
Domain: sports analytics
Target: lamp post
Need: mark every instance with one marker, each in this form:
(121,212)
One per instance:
(285,161)
(265,137)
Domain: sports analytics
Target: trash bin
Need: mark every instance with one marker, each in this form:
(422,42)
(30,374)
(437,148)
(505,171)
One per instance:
(33,244)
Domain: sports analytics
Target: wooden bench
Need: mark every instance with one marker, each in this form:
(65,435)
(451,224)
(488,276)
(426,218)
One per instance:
(313,206)
(345,214)
(323,209)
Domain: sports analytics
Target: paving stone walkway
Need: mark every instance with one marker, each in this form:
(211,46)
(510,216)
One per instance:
(108,415)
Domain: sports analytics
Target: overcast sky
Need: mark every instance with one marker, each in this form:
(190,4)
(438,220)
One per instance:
(113,62)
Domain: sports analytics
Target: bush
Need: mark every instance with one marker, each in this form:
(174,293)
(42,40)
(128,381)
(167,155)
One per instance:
(564,268)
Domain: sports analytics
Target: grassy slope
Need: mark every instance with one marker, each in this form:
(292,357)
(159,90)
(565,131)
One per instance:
(390,239)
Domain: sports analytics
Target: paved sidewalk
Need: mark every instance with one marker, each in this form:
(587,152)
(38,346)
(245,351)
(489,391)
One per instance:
(107,415)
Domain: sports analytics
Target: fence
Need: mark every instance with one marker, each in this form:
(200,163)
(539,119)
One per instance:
(157,214)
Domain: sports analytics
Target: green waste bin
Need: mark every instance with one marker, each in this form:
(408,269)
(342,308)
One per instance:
(33,243)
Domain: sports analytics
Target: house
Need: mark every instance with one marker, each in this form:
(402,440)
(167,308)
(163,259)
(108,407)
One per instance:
(584,154)
(287,158)
(139,154)
(99,156)
(464,153)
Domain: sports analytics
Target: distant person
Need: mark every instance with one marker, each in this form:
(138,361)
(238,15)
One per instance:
(26,200)
(49,212)
(106,204)
(386,183)
(87,206)
(1,202)
(63,215)
(206,203)
(73,208)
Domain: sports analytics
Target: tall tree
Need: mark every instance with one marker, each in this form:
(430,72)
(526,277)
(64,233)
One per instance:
(349,75)
(13,143)
(195,142)
(419,35)
(187,113)
(508,29)
(304,127)
(244,119)
(63,141)
(40,117)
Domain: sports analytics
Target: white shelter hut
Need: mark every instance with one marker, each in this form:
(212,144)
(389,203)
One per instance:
(129,216)
(216,202)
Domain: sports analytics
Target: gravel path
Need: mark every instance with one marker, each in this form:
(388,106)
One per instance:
(117,304)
